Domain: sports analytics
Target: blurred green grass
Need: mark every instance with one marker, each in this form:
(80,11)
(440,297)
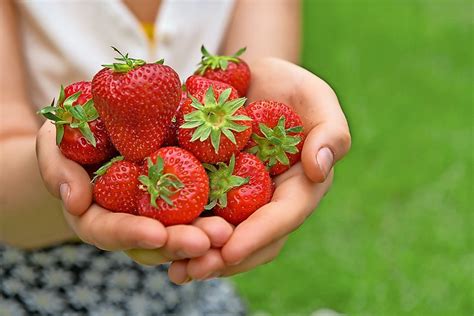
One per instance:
(394,236)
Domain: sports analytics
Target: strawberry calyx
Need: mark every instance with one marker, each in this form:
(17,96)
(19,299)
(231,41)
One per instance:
(126,63)
(275,144)
(216,61)
(221,181)
(158,183)
(76,116)
(215,117)
(103,169)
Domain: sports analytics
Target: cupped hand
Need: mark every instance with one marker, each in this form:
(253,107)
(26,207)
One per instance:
(144,239)
(260,238)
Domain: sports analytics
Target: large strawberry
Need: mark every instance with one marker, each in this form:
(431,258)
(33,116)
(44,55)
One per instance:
(116,185)
(137,101)
(175,188)
(197,85)
(228,69)
(213,126)
(171,138)
(240,188)
(80,133)
(277,137)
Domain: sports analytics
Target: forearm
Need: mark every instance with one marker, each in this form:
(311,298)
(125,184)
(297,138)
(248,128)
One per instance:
(267,28)
(29,216)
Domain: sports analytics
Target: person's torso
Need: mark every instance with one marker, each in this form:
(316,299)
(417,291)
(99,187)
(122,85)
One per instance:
(67,41)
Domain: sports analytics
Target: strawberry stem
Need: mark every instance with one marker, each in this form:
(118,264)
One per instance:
(76,116)
(275,144)
(103,169)
(215,117)
(126,63)
(159,184)
(221,181)
(217,62)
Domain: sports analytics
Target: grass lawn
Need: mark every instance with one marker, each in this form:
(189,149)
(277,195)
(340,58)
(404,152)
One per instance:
(394,236)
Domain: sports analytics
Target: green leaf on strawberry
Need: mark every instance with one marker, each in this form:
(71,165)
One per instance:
(103,169)
(215,117)
(222,180)
(64,112)
(158,183)
(275,144)
(209,61)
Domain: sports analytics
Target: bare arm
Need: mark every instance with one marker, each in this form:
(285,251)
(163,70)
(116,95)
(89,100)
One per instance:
(268,28)
(29,215)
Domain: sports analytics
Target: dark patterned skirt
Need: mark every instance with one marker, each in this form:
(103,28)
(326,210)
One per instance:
(78,279)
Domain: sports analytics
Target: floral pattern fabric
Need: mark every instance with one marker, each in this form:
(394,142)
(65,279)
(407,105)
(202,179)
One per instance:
(78,279)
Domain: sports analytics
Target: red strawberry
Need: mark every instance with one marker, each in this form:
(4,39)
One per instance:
(229,69)
(116,186)
(80,133)
(137,102)
(176,188)
(171,137)
(213,129)
(197,85)
(277,137)
(240,188)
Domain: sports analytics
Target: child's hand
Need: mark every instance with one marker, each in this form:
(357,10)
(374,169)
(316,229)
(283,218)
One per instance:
(95,225)
(260,238)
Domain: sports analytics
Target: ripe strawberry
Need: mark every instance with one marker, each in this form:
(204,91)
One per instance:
(240,188)
(175,189)
(228,69)
(213,129)
(137,102)
(80,133)
(116,186)
(197,85)
(172,134)
(277,137)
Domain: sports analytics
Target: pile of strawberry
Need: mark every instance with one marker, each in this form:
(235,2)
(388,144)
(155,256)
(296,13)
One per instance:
(179,150)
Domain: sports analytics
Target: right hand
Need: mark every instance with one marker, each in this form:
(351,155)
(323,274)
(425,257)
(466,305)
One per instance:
(144,239)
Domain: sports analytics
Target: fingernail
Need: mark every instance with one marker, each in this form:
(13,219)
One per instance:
(181,254)
(325,160)
(147,244)
(64,191)
(213,276)
(235,263)
(188,279)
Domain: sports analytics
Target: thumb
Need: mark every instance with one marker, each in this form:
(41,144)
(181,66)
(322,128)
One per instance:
(64,178)
(324,146)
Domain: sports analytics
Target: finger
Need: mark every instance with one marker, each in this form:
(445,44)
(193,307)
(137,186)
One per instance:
(260,257)
(315,101)
(292,202)
(148,257)
(324,146)
(328,137)
(212,265)
(64,178)
(185,241)
(217,229)
(177,272)
(207,266)
(117,231)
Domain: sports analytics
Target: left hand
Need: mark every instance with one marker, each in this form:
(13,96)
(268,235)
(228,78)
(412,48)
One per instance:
(298,191)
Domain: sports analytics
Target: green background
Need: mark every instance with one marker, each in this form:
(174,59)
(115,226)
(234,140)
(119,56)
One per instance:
(394,235)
